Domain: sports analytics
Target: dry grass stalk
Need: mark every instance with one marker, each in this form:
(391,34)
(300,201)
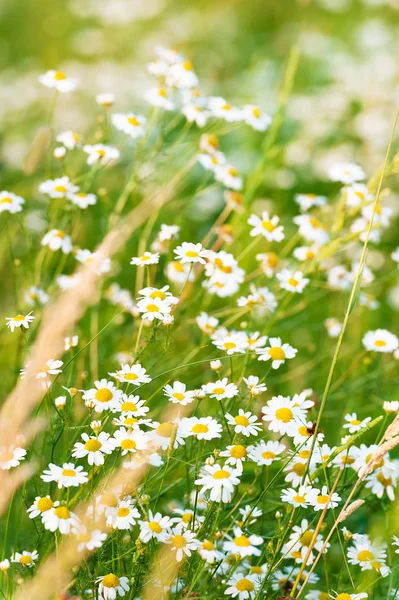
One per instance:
(350,510)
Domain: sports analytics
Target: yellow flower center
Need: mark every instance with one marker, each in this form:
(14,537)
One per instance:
(109,500)
(123,512)
(306,538)
(130,377)
(179,541)
(59,75)
(133,121)
(276,353)
(128,444)
(322,499)
(62,512)
(268,454)
(6,200)
(162,93)
(178,267)
(226,107)
(152,308)
(187,66)
(304,454)
(299,499)
(365,555)
(284,415)
(292,281)
(60,234)
(268,226)
(128,406)
(302,430)
(242,541)
(130,421)
(208,545)
(69,473)
(191,254)
(238,451)
(245,585)
(355,422)
(25,560)
(221,474)
(380,343)
(101,153)
(165,429)
(178,396)
(60,188)
(103,395)
(315,223)
(154,526)
(241,420)
(229,345)
(384,480)
(200,428)
(158,294)
(44,504)
(256,112)
(92,445)
(110,581)
(218,391)
(344,596)
(299,468)
(19,318)
(187,518)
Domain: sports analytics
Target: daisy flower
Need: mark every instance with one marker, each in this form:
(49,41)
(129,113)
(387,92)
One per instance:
(132,406)
(203,428)
(379,484)
(94,448)
(26,559)
(191,253)
(11,457)
(196,113)
(334,327)
(164,433)
(148,258)
(124,515)
(243,545)
(10,202)
(85,257)
(252,383)
(255,117)
(58,188)
(231,343)
(99,153)
(58,80)
(307,201)
(155,527)
(59,518)
(346,173)
(52,367)
(66,476)
(182,75)
(220,481)
(235,455)
(159,97)
(292,281)
(182,542)
(111,586)
(130,440)
(69,139)
(321,499)
(178,394)
(267,226)
(220,389)
(57,240)
(277,352)
(20,321)
(281,413)
(242,586)
(131,124)
(208,551)
(89,540)
(353,424)
(380,340)
(265,453)
(105,99)
(298,498)
(71,342)
(134,374)
(154,308)
(178,272)
(304,253)
(40,506)
(367,554)
(229,176)
(245,423)
(311,229)
(82,199)
(35,295)
(104,396)
(224,110)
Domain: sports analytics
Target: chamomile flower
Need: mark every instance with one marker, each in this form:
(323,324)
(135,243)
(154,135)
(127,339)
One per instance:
(235,455)
(191,253)
(266,226)
(334,327)
(130,440)
(11,457)
(164,434)
(307,201)
(159,97)
(104,396)
(221,389)
(203,428)
(154,308)
(300,497)
(220,481)
(231,343)
(111,586)
(277,352)
(26,559)
(101,154)
(346,173)
(222,109)
(58,188)
(292,281)
(58,80)
(245,423)
(182,75)
(243,545)
(182,542)
(105,99)
(85,257)
(155,527)
(10,202)
(305,253)
(56,239)
(82,199)
(40,506)
(242,586)
(131,124)
(229,176)
(195,112)
(379,484)
(35,295)
(66,476)
(20,321)
(353,424)
(59,518)
(253,384)
(207,323)
(280,412)
(300,541)
(88,540)
(321,499)
(178,394)
(124,515)
(94,448)
(367,554)
(208,551)
(69,139)
(380,340)
(132,406)
(134,374)
(265,453)
(312,229)
(71,342)
(148,258)
(252,115)
(178,272)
